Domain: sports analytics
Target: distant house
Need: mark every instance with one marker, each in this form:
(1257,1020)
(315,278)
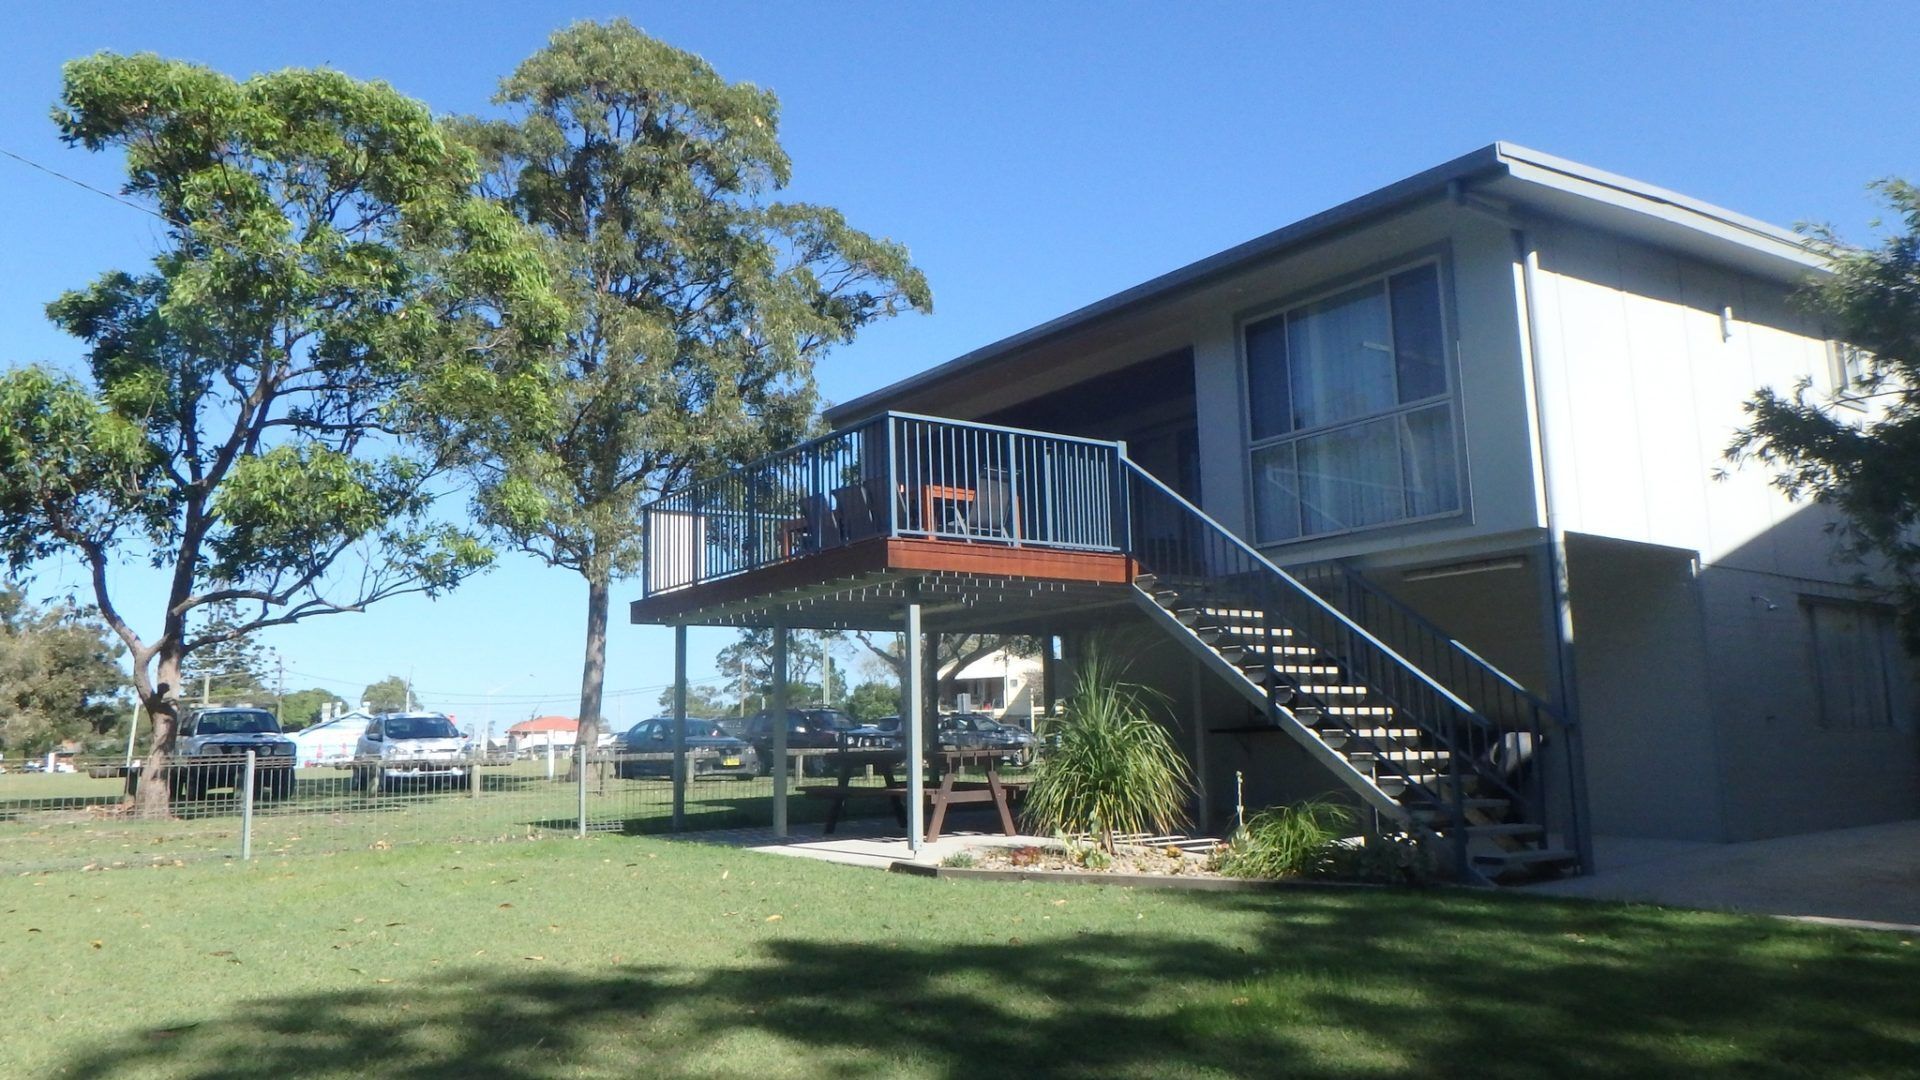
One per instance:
(541,732)
(331,740)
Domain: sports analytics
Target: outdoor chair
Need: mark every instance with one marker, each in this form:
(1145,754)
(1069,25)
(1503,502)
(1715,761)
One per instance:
(858,520)
(822,524)
(991,511)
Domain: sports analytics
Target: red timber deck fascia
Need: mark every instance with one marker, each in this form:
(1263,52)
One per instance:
(864,584)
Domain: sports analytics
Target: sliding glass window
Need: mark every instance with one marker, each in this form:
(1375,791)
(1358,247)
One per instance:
(1351,410)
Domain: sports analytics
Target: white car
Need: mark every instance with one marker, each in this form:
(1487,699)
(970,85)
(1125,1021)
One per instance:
(398,748)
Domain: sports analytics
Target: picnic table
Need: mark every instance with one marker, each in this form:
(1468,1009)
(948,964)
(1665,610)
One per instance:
(950,791)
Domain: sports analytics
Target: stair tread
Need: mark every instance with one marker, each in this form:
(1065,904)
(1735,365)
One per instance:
(1505,828)
(1526,857)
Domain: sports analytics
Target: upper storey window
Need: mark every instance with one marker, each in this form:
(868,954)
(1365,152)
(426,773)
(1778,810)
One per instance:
(1351,410)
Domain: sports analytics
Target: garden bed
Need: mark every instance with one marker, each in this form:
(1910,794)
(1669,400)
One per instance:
(1132,866)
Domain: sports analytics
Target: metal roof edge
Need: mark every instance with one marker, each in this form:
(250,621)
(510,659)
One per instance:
(1375,203)
(1522,163)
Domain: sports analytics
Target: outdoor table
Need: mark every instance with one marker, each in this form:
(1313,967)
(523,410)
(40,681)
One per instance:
(995,790)
(848,762)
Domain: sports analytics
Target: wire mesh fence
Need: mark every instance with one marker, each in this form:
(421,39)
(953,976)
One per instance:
(88,817)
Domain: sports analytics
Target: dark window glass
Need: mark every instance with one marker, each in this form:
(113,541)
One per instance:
(1419,345)
(1272,408)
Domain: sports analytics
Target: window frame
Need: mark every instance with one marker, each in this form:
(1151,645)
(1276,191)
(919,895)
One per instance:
(1380,273)
(1893,698)
(1849,390)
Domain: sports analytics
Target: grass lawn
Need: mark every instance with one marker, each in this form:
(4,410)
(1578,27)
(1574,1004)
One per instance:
(632,956)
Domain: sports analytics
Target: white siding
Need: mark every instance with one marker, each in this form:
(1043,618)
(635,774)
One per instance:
(1701,724)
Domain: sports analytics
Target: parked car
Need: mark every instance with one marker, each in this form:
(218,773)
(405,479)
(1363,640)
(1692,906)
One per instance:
(807,729)
(882,733)
(978,731)
(212,751)
(720,753)
(400,747)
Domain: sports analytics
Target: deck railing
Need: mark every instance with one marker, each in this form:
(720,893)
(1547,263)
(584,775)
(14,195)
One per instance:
(897,475)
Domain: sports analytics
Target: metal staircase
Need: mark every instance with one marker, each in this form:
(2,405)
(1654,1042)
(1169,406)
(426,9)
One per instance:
(1468,760)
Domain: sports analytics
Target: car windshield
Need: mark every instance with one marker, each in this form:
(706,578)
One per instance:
(829,718)
(237,722)
(421,727)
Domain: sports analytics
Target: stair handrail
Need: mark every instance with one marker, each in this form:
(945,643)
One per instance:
(1356,578)
(1139,473)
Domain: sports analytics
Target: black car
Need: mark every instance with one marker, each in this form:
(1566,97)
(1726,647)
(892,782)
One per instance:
(978,731)
(710,750)
(883,733)
(807,729)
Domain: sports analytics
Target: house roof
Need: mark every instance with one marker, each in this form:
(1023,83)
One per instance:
(1528,182)
(544,723)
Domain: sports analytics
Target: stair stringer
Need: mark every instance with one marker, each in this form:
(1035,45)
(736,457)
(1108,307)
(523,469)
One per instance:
(1360,782)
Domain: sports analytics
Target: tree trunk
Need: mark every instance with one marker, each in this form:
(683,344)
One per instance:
(593,672)
(155,796)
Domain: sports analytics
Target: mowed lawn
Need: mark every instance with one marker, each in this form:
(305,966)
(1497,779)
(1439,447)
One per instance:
(632,956)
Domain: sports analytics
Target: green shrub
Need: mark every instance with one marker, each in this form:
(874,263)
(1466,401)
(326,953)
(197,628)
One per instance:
(1287,841)
(1112,768)
(1088,856)
(959,860)
(1391,859)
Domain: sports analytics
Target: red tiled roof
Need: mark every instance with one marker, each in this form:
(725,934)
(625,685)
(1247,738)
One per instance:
(544,723)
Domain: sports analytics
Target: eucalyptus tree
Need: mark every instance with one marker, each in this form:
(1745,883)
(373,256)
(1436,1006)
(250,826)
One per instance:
(700,302)
(1865,462)
(326,283)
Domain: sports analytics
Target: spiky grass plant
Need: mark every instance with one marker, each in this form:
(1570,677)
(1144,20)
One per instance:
(1112,769)
(1286,841)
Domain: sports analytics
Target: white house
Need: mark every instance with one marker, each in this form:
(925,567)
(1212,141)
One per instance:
(1480,416)
(330,740)
(1002,684)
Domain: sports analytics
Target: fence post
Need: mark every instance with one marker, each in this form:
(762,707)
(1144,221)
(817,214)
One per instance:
(580,787)
(246,808)
(550,755)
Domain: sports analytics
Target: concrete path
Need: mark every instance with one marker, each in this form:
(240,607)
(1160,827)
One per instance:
(1869,874)
(862,842)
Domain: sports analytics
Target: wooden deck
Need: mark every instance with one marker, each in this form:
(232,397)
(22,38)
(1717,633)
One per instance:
(864,585)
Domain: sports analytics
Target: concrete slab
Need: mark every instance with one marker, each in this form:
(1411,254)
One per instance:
(876,843)
(1864,875)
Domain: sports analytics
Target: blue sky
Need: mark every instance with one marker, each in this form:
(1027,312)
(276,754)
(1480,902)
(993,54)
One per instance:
(1034,157)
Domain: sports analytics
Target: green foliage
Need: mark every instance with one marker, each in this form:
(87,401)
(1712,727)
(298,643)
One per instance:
(1089,856)
(328,290)
(697,304)
(1385,859)
(702,700)
(1866,466)
(302,707)
(873,700)
(1287,841)
(960,860)
(231,666)
(388,695)
(1112,768)
(58,675)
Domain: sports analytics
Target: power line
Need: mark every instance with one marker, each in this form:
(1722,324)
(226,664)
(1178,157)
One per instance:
(76,182)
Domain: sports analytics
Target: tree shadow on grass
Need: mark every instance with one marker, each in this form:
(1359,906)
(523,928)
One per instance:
(1375,984)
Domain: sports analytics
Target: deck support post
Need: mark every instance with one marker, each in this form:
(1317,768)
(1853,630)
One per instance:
(1049,673)
(679,728)
(1197,712)
(777,726)
(916,732)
